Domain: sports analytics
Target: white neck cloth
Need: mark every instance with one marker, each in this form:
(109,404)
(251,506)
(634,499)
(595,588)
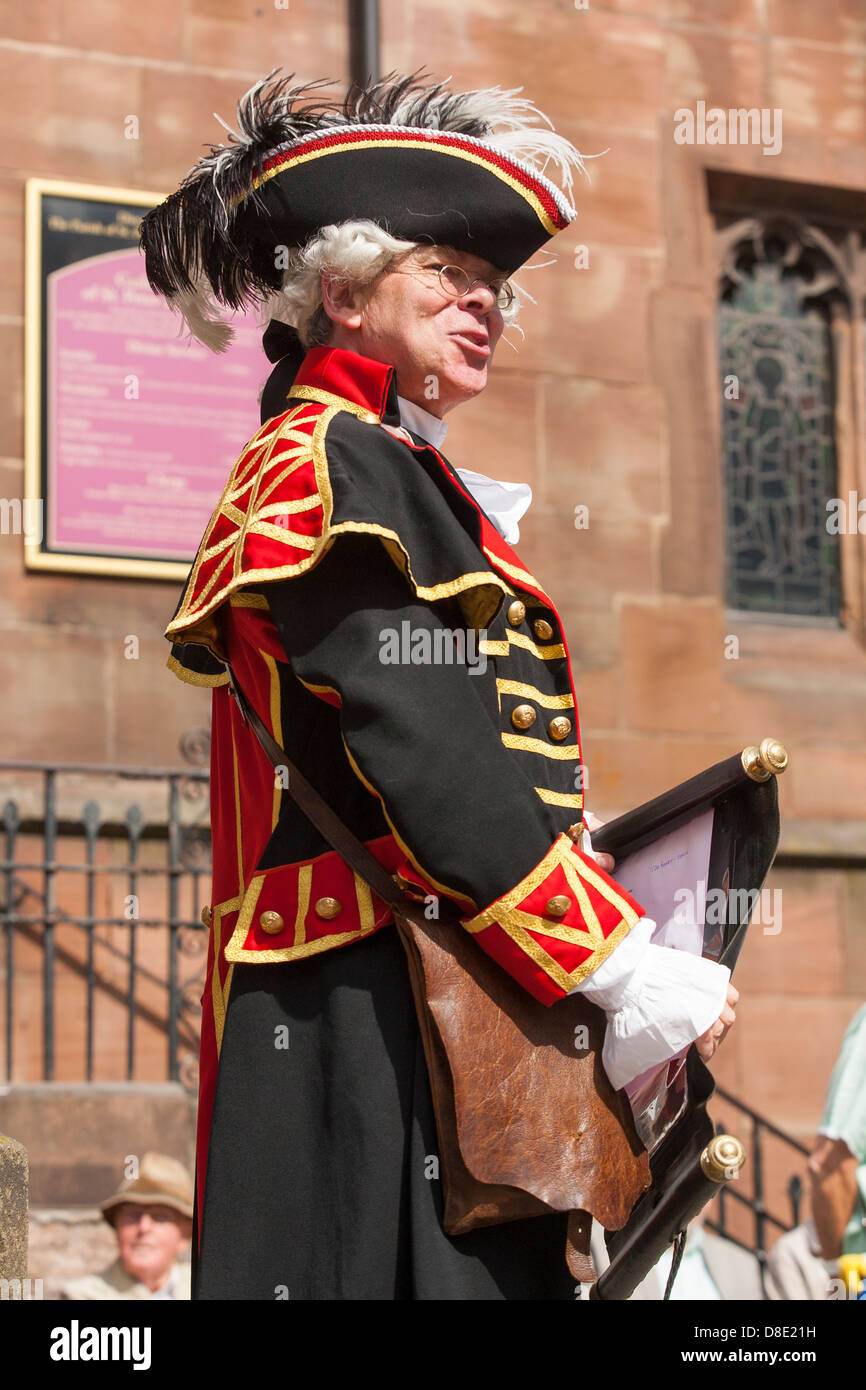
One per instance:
(504,503)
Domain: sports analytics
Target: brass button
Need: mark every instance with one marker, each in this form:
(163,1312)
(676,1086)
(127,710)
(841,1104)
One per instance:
(329,908)
(516,613)
(522,716)
(575,832)
(206,917)
(271,922)
(559,728)
(542,630)
(558,906)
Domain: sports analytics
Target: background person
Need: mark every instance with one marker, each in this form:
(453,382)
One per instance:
(152,1219)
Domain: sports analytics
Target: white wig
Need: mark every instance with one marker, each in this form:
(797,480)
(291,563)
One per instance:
(355,252)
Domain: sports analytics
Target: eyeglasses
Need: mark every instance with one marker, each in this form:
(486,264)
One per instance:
(457,282)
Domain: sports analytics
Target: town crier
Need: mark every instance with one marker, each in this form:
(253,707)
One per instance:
(368,600)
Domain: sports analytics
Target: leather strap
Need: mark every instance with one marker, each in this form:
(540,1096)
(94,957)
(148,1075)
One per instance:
(326,821)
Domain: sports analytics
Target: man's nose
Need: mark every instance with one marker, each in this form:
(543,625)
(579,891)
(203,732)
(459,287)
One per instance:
(481,295)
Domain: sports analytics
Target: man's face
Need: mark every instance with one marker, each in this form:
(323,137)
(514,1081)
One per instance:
(440,346)
(149,1239)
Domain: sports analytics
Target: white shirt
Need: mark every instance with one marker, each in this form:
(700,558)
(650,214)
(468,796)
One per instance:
(504,503)
(657,1000)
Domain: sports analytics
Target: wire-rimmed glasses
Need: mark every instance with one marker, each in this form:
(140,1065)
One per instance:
(456,282)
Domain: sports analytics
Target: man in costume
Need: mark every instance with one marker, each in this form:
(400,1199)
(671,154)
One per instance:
(368,600)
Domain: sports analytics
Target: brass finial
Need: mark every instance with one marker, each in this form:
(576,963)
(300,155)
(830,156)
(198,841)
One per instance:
(723,1158)
(753,766)
(773,755)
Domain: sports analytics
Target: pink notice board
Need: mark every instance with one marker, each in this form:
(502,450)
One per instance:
(139,427)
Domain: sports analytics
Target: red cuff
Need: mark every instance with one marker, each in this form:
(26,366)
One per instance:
(558,924)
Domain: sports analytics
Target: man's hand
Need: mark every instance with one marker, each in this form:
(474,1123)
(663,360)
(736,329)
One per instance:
(604,861)
(709,1041)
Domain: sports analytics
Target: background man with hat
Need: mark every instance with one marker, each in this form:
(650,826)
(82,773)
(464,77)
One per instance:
(379,235)
(152,1219)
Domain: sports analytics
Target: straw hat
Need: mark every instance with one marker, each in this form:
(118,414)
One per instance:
(162,1181)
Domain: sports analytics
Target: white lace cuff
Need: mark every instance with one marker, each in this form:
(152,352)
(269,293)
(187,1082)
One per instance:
(657,1008)
(657,1000)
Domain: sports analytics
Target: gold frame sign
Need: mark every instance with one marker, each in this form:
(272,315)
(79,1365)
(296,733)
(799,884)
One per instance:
(131,428)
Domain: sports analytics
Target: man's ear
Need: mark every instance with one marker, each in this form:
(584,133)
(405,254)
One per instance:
(341,301)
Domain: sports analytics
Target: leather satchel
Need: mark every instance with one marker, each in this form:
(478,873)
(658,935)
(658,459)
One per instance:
(527,1120)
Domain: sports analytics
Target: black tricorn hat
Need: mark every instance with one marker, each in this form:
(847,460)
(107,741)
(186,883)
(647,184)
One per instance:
(449,168)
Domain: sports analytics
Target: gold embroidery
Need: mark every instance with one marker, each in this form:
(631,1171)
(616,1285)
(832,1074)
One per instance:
(317,689)
(529,692)
(194,677)
(195,619)
(276,730)
(550,653)
(566,981)
(237,795)
(245,917)
(220,993)
(532,948)
(293,161)
(587,911)
(227,987)
(605,887)
(517,923)
(574,801)
(493,648)
(564,751)
(309,948)
(247,470)
(330,398)
(522,576)
(449,589)
(243,599)
(305,883)
(364,898)
(440,887)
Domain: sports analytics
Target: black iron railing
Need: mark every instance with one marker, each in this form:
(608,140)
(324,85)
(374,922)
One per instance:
(89,857)
(42,907)
(750,1194)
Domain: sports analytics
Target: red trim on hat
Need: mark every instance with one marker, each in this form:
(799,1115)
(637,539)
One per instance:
(348,138)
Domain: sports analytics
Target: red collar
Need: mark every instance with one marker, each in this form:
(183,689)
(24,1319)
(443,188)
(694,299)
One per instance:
(362,380)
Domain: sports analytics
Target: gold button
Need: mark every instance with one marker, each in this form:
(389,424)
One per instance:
(523,716)
(206,917)
(542,630)
(271,922)
(558,906)
(575,832)
(559,728)
(328,908)
(516,613)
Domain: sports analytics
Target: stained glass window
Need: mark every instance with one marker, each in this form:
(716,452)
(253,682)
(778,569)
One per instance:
(778,435)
